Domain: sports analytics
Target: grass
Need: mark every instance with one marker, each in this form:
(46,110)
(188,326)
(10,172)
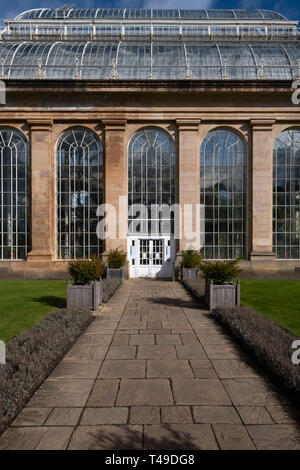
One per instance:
(25,303)
(276,299)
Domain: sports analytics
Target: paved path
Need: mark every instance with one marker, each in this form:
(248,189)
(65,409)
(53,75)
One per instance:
(154,371)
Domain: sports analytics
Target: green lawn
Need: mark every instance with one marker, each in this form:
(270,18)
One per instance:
(276,299)
(25,303)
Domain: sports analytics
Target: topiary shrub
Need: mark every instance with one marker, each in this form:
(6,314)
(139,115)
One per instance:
(84,271)
(220,272)
(190,259)
(116,258)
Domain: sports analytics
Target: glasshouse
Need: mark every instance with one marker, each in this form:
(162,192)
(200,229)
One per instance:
(153,131)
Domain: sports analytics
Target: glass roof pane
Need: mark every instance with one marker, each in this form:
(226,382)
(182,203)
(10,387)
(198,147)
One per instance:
(293,51)
(220,14)
(174,60)
(248,14)
(146,13)
(197,14)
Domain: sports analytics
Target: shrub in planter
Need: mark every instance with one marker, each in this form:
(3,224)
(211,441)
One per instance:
(84,271)
(219,288)
(220,272)
(116,260)
(190,263)
(86,292)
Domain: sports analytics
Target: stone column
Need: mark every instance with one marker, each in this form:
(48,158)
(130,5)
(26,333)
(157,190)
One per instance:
(116,182)
(262,189)
(189,182)
(42,191)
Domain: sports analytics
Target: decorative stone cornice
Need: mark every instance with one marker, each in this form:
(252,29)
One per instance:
(40,124)
(114,124)
(188,124)
(262,124)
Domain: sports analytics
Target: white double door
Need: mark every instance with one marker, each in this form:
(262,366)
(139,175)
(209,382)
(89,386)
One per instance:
(151,256)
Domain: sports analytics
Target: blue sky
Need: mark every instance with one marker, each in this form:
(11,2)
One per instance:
(291,8)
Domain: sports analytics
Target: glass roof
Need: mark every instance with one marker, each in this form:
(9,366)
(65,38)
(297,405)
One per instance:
(133,60)
(113,13)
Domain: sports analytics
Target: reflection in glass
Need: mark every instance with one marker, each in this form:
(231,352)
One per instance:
(286,195)
(14,195)
(79,186)
(223,183)
(151,180)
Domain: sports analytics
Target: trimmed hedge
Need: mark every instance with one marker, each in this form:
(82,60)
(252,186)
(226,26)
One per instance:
(263,339)
(109,288)
(266,341)
(195,287)
(32,355)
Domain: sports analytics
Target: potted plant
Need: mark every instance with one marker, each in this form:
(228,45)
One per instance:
(219,286)
(190,262)
(86,291)
(116,260)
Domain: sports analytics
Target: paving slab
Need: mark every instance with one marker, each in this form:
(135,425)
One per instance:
(191,388)
(32,417)
(164,369)
(144,415)
(121,352)
(36,438)
(124,368)
(144,392)
(252,392)
(79,370)
(232,437)
(191,351)
(108,415)
(104,393)
(126,437)
(56,393)
(199,392)
(233,368)
(179,436)
(156,351)
(255,415)
(216,415)
(176,414)
(275,437)
(64,417)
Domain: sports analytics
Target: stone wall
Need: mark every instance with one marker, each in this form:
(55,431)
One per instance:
(42,110)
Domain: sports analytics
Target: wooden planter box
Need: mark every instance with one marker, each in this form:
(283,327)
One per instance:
(115,273)
(189,273)
(222,295)
(88,296)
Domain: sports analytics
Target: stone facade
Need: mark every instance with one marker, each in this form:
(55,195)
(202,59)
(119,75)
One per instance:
(114,110)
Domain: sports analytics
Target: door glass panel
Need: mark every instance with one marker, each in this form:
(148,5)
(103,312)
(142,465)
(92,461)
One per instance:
(157,252)
(144,252)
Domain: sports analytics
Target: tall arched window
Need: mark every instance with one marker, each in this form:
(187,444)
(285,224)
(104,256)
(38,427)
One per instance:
(223,199)
(79,173)
(15,194)
(286,195)
(151,180)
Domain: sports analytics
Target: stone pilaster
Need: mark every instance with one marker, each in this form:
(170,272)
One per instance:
(115,181)
(189,182)
(262,184)
(42,191)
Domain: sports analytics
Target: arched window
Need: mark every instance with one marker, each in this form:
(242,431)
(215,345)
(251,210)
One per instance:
(79,173)
(286,195)
(15,194)
(223,183)
(151,180)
